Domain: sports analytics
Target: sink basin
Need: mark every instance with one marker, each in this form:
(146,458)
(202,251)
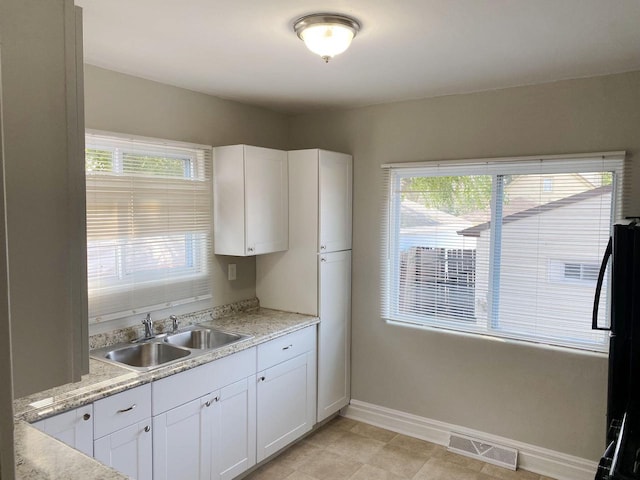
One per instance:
(146,355)
(204,339)
(166,348)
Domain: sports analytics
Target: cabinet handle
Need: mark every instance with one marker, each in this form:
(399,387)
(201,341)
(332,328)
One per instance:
(261,379)
(147,429)
(208,403)
(86,416)
(128,409)
(216,398)
(250,249)
(323,259)
(287,347)
(323,247)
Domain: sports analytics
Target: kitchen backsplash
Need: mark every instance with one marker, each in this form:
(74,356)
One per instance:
(164,325)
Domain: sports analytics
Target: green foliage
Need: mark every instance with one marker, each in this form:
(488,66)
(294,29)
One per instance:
(98,160)
(456,195)
(154,165)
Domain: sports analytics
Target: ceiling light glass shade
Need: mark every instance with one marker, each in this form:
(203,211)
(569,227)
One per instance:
(326,34)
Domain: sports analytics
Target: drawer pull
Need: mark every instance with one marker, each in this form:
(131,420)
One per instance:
(147,429)
(287,347)
(261,379)
(86,416)
(216,398)
(207,403)
(128,409)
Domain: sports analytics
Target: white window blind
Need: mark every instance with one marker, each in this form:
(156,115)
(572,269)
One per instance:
(148,224)
(503,248)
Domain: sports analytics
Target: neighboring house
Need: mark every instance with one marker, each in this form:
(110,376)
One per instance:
(567,274)
(540,189)
(437,266)
(444,264)
(428,227)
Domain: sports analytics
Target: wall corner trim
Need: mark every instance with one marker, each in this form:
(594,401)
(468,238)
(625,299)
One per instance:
(535,459)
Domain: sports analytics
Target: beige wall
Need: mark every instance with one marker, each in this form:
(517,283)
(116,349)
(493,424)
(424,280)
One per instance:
(126,104)
(554,399)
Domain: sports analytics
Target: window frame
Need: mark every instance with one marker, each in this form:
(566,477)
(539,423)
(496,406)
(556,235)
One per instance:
(197,244)
(390,284)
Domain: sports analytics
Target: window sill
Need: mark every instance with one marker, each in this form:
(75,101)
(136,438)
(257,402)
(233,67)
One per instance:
(493,338)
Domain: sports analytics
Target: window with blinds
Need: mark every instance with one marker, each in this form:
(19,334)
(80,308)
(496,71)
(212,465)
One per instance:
(502,248)
(148,225)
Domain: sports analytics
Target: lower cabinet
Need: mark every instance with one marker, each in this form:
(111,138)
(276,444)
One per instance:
(234,430)
(128,450)
(286,392)
(212,422)
(204,420)
(122,432)
(75,428)
(212,437)
(182,441)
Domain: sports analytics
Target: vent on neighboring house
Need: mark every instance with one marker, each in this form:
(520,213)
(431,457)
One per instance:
(487,452)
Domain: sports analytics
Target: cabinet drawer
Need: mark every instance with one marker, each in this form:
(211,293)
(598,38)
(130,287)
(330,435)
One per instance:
(121,410)
(183,387)
(286,347)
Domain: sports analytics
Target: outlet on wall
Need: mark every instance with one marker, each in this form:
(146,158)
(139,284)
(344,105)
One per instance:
(231,271)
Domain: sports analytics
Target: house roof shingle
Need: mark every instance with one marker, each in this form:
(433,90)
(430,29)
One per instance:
(476,230)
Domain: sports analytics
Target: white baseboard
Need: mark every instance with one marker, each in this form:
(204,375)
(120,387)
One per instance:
(530,457)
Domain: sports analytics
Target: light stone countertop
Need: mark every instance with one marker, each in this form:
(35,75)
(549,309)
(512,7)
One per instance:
(40,454)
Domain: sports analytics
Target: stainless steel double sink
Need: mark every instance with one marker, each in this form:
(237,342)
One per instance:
(167,348)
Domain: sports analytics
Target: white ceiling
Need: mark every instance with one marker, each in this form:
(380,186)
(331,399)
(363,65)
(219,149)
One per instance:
(246,50)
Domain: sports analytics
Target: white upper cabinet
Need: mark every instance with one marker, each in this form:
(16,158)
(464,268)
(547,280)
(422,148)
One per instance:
(251,215)
(335,172)
(320,190)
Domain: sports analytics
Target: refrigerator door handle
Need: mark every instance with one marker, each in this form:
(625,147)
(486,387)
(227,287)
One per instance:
(596,301)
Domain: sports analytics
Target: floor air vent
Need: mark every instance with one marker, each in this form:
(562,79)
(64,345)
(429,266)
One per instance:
(487,452)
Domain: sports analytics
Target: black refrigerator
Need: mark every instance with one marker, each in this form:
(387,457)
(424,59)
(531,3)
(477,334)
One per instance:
(621,458)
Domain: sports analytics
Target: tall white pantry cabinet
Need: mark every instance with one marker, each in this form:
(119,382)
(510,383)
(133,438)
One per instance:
(314,275)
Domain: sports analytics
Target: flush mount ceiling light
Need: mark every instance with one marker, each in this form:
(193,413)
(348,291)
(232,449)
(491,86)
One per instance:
(326,34)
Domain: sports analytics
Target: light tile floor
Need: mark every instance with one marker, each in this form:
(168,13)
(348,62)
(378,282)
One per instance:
(344,449)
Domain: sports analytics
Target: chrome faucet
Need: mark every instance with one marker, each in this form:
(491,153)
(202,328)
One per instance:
(174,321)
(148,327)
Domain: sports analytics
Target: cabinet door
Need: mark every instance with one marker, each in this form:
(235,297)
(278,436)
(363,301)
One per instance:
(128,450)
(234,430)
(335,177)
(285,403)
(75,428)
(267,200)
(182,441)
(334,333)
